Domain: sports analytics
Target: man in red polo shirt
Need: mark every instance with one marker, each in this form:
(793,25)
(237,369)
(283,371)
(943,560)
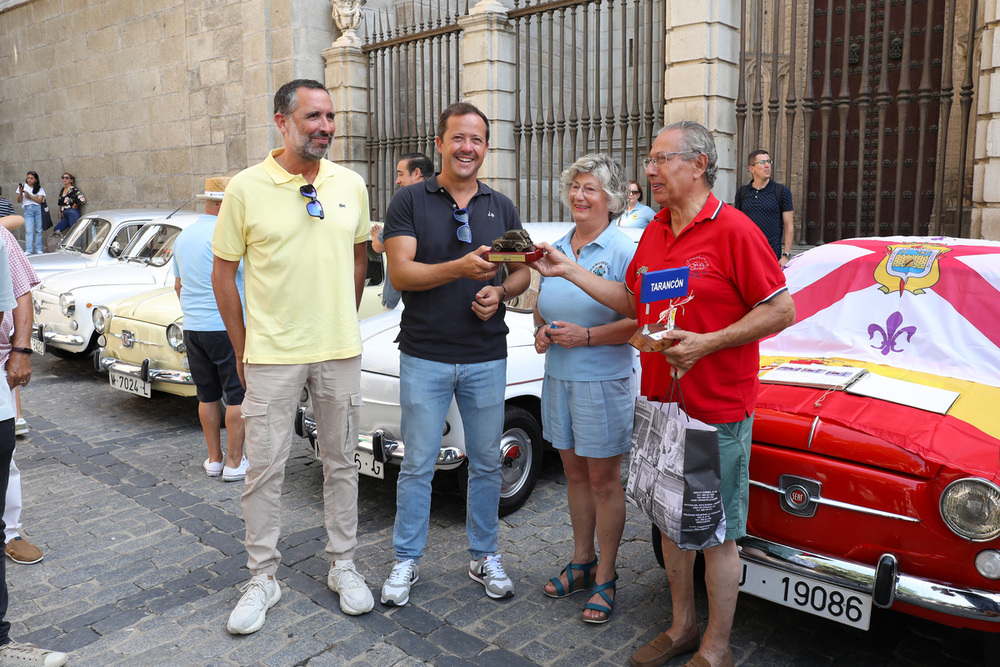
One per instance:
(737,296)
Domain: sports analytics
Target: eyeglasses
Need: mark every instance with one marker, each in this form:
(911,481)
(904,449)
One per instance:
(65,178)
(662,158)
(633,192)
(313,206)
(762,162)
(464,232)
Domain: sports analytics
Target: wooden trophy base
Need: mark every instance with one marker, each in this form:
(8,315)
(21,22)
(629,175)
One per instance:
(650,338)
(500,257)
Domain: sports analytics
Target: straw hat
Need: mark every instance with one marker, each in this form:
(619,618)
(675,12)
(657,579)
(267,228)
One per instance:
(215,187)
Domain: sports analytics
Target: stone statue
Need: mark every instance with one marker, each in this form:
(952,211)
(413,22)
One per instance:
(347,16)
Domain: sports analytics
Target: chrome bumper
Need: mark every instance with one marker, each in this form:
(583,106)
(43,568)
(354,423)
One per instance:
(142,371)
(57,339)
(382,448)
(884,582)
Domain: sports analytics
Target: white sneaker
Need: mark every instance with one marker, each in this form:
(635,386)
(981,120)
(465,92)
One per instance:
(235,474)
(16,654)
(396,589)
(260,594)
(21,426)
(489,572)
(355,596)
(212,469)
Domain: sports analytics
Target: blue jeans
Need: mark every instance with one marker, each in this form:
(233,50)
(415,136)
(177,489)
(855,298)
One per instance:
(426,389)
(68,219)
(32,228)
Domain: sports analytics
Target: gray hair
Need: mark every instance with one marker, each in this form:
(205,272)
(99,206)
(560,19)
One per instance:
(697,140)
(287,97)
(609,173)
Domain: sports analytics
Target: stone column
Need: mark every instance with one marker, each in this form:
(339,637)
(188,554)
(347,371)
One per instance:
(488,71)
(347,81)
(702,76)
(986,169)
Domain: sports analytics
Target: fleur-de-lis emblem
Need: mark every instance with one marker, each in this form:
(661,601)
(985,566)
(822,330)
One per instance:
(891,334)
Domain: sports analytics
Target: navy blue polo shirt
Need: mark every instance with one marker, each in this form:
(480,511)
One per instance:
(438,324)
(763,208)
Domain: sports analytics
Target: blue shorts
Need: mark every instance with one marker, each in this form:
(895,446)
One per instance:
(734,457)
(593,418)
(213,366)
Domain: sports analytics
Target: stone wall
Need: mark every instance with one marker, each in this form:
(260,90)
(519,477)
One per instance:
(143,100)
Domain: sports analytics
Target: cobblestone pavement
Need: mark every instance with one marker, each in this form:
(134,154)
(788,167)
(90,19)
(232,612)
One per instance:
(143,557)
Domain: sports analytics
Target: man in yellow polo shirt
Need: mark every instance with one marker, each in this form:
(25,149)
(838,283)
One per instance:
(300,224)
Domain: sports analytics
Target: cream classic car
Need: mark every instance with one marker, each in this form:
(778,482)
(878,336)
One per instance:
(141,343)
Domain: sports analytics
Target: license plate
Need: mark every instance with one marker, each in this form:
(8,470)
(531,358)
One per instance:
(37,346)
(814,597)
(367,465)
(130,384)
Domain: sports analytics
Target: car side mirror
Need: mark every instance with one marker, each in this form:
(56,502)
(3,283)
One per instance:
(115,250)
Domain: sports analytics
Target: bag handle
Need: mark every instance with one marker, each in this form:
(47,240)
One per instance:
(675,387)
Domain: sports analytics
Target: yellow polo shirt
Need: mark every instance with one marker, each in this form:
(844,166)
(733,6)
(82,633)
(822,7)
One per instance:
(298,270)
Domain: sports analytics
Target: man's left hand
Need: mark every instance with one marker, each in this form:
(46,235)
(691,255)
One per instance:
(487,301)
(689,348)
(18,370)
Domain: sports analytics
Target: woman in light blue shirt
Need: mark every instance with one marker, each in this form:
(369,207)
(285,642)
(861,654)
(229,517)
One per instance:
(588,393)
(636,213)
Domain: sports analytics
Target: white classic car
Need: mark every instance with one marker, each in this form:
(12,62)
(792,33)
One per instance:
(521,444)
(64,302)
(96,238)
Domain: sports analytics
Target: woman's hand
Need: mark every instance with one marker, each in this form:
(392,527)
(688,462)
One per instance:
(542,340)
(567,334)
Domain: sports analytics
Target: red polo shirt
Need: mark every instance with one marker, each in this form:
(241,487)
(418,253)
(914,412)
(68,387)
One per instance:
(732,270)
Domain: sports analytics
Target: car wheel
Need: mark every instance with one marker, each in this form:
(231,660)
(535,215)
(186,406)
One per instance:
(521,449)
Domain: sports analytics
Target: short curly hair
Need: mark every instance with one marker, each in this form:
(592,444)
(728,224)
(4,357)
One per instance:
(608,172)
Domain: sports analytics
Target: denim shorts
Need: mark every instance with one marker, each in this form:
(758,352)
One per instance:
(213,366)
(593,418)
(734,456)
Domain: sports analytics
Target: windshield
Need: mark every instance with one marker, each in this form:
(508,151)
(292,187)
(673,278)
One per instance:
(153,245)
(87,235)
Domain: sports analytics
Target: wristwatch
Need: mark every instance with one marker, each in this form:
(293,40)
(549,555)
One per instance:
(539,327)
(786,254)
(23,350)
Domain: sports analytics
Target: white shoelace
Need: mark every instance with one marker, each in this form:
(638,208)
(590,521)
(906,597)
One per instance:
(259,595)
(493,568)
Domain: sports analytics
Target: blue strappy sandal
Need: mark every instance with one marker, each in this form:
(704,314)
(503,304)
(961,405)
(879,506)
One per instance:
(606,608)
(561,592)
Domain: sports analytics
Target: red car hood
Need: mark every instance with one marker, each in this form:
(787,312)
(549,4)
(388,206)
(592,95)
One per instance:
(884,434)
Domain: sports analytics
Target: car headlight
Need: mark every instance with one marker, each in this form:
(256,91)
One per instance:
(67,303)
(175,337)
(101,317)
(971,508)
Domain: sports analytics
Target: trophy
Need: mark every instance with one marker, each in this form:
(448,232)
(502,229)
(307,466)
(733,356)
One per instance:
(514,246)
(666,285)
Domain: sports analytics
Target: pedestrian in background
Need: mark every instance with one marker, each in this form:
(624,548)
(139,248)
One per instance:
(636,213)
(30,196)
(300,224)
(71,202)
(769,204)
(412,168)
(588,393)
(210,353)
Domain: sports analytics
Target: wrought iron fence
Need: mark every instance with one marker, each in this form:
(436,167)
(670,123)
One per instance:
(414,72)
(589,78)
(869,138)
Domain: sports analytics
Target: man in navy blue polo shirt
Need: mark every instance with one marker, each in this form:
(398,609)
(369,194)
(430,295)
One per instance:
(769,205)
(452,343)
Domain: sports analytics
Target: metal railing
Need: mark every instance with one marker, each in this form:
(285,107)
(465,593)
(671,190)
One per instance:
(869,139)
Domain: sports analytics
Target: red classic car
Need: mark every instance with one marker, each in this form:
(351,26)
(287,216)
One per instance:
(875,469)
